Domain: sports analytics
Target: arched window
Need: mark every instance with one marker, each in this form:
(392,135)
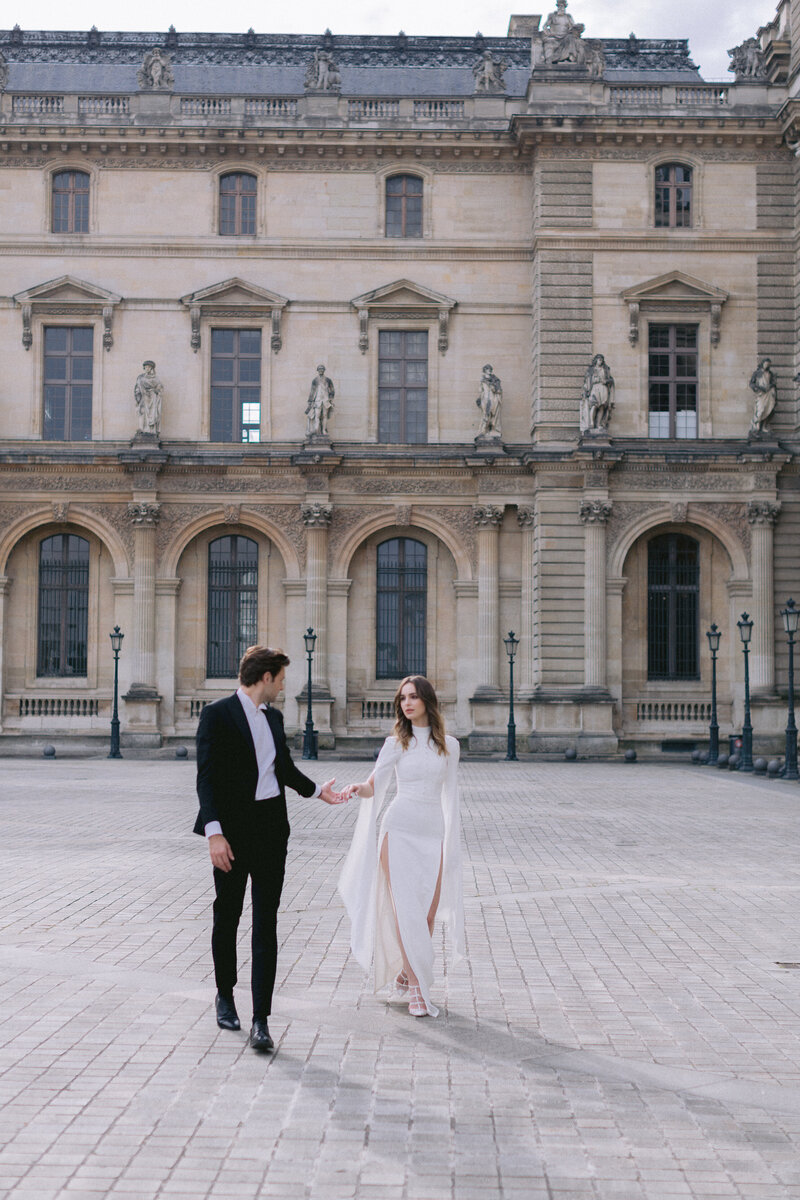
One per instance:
(70,202)
(63,624)
(673,594)
(232,603)
(402,595)
(404,206)
(237,204)
(674,195)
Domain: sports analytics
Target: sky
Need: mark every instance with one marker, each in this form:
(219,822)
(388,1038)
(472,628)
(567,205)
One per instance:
(712,26)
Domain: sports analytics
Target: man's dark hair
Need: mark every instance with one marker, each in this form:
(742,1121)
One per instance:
(257,660)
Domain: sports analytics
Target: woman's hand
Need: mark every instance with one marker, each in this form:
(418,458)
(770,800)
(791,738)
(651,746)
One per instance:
(363,790)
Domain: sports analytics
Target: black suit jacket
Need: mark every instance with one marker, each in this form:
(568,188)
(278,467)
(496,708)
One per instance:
(227,768)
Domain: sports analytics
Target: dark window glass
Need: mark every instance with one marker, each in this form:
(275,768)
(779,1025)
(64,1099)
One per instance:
(672,381)
(404,206)
(674,196)
(232,604)
(71,202)
(63,605)
(673,594)
(402,386)
(235,385)
(401,608)
(237,204)
(67,384)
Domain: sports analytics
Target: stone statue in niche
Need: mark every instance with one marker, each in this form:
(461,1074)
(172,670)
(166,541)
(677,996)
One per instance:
(320,404)
(323,74)
(597,397)
(148,392)
(561,38)
(155,74)
(765,392)
(489,401)
(488,72)
(747,61)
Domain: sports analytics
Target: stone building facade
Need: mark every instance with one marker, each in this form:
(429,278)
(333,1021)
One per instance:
(410,340)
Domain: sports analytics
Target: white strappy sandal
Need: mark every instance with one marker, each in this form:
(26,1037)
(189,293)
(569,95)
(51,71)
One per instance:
(416,1006)
(401,984)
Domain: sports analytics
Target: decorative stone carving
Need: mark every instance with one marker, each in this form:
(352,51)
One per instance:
(762,512)
(765,391)
(680,512)
(320,404)
(489,401)
(231,514)
(461,520)
(595,512)
(27,332)
(402,515)
(143,512)
(61,512)
(561,38)
(747,61)
(194,316)
(525,516)
(485,515)
(3,73)
(488,72)
(148,392)
(316,515)
(597,398)
(323,74)
(155,73)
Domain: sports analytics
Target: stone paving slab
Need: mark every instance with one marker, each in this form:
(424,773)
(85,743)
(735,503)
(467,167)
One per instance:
(621,1027)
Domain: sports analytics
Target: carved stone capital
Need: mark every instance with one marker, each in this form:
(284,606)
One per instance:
(525,516)
(143,513)
(316,515)
(762,512)
(487,516)
(595,512)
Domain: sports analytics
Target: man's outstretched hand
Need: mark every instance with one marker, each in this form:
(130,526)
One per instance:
(220,850)
(329,795)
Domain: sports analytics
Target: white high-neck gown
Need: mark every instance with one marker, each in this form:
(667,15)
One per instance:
(423,828)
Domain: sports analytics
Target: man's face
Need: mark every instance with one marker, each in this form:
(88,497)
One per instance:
(273,685)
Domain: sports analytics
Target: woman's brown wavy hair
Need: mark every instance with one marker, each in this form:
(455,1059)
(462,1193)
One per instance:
(404,730)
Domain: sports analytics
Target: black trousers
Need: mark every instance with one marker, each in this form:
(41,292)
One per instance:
(259,851)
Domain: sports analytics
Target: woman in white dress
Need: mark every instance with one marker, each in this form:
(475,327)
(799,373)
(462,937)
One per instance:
(394,886)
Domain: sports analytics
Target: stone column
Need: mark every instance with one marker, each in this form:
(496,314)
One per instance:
(317,519)
(487,519)
(144,517)
(762,515)
(594,514)
(5,584)
(527,632)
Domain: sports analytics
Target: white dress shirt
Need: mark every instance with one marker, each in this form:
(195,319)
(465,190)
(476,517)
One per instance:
(267,787)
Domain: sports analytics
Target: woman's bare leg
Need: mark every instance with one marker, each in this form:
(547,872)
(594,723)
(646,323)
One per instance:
(436,897)
(412,979)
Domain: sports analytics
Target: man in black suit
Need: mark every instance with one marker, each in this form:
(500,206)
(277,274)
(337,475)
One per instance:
(243,769)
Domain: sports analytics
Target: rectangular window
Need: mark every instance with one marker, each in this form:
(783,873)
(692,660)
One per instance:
(401,608)
(672,381)
(68,384)
(402,386)
(63,605)
(404,206)
(71,202)
(235,385)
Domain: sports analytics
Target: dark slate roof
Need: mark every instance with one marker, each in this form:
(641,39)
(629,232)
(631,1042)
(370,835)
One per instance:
(275,64)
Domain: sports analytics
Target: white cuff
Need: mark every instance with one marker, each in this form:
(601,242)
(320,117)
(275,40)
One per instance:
(212,828)
(317,792)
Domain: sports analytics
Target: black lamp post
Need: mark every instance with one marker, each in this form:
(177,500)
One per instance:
(309,737)
(791,617)
(713,635)
(116,646)
(511,644)
(745,633)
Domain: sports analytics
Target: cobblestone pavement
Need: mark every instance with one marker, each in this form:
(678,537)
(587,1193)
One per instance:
(622,1028)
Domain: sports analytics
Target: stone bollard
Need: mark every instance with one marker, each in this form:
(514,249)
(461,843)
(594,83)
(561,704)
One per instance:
(49,752)
(571,754)
(181,752)
(630,756)
(722,761)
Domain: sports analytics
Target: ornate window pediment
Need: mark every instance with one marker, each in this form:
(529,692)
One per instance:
(403,300)
(239,299)
(67,297)
(674,293)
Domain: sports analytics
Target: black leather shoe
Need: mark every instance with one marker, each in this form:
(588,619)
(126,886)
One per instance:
(259,1036)
(227,1017)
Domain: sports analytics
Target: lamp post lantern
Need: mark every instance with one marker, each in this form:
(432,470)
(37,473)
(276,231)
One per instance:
(745,633)
(713,635)
(116,646)
(309,737)
(791,617)
(511,642)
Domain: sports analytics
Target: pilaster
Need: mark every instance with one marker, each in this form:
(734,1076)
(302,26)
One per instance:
(595,515)
(317,518)
(762,515)
(487,519)
(142,699)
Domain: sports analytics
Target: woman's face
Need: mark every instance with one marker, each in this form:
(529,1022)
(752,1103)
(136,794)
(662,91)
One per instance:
(413,707)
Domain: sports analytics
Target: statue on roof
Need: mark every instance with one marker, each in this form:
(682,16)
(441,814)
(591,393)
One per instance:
(323,74)
(747,61)
(3,73)
(561,38)
(155,74)
(488,72)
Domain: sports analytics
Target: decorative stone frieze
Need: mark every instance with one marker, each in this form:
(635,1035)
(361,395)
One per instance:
(595,512)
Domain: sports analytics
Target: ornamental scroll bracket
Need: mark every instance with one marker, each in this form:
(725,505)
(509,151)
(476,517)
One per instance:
(674,294)
(238,300)
(404,300)
(68,297)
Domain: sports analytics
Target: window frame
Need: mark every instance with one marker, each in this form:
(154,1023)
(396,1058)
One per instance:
(419,595)
(69,383)
(672,589)
(382,175)
(236,329)
(403,198)
(71,193)
(673,380)
(65,606)
(234,593)
(672,187)
(407,330)
(238,197)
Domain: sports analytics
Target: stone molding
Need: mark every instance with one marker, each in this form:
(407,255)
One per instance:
(595,512)
(763,512)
